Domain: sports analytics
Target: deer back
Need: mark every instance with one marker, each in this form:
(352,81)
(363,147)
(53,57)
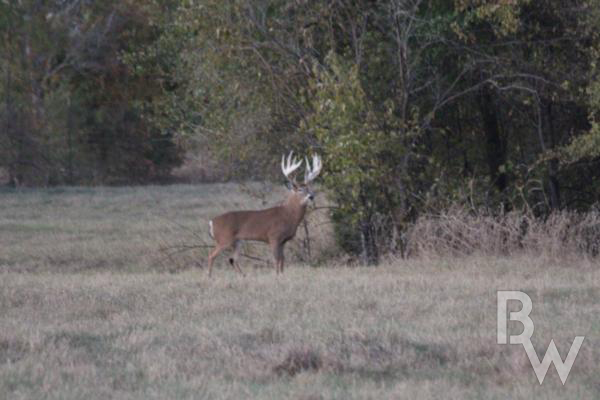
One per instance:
(272,224)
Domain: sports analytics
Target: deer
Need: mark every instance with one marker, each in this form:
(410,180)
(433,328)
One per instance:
(274,226)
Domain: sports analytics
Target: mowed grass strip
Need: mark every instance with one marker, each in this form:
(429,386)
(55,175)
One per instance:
(120,327)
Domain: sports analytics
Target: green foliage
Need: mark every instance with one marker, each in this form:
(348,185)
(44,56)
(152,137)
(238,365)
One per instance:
(587,145)
(503,16)
(367,152)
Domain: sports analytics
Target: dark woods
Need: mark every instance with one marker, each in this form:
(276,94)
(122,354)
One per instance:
(73,108)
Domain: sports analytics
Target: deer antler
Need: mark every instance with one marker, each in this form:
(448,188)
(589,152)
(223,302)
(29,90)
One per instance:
(312,172)
(290,165)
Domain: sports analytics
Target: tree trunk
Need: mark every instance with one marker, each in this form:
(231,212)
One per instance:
(553,163)
(369,254)
(494,144)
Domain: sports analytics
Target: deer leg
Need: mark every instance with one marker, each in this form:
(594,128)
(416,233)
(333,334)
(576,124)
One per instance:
(233,260)
(212,256)
(277,256)
(281,259)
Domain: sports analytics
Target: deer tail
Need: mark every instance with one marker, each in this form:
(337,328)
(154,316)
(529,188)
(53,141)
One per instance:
(212,235)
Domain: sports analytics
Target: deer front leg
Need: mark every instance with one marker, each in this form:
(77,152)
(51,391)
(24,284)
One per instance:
(277,249)
(281,258)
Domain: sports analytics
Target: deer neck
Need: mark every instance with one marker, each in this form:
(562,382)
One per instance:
(294,209)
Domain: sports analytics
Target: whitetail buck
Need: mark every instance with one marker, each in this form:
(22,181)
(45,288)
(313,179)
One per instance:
(274,226)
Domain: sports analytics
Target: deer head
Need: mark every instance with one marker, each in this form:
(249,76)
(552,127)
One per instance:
(301,192)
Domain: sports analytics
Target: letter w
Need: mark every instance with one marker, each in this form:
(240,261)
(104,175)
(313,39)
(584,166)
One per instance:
(552,356)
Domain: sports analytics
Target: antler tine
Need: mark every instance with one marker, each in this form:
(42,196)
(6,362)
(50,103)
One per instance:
(312,172)
(290,165)
(306,170)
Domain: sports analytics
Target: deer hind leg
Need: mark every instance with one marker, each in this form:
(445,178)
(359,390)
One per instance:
(233,260)
(211,257)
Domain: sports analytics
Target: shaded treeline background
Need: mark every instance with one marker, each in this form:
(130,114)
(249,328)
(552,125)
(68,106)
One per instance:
(416,106)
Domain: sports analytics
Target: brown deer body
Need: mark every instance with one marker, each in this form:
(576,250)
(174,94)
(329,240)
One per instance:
(275,225)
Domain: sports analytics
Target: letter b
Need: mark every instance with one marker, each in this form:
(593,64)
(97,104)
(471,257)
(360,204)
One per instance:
(521,316)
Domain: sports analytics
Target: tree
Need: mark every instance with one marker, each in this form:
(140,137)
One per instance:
(71,105)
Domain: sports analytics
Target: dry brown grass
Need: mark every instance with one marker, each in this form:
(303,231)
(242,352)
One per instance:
(461,232)
(88,310)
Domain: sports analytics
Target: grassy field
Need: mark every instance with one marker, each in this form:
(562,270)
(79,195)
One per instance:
(100,297)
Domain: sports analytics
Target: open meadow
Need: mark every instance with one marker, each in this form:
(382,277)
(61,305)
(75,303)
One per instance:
(104,294)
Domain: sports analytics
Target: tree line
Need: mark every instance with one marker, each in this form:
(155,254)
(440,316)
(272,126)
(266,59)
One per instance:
(414,105)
